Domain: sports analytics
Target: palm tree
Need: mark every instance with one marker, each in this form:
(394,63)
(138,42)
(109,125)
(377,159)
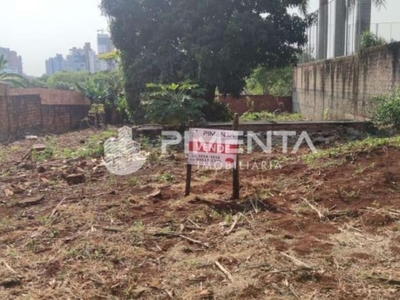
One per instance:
(9,78)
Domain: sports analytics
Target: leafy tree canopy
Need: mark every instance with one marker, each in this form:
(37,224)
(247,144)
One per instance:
(75,80)
(276,81)
(214,43)
(67,80)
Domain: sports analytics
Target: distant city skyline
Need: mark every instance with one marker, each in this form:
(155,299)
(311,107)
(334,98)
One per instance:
(39,29)
(83,59)
(13,61)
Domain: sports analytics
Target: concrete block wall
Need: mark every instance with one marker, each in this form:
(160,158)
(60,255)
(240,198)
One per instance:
(344,88)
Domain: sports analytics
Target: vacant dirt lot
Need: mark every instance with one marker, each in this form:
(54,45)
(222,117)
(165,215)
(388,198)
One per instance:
(309,227)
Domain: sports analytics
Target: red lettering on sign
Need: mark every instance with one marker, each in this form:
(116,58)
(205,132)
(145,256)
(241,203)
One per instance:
(204,147)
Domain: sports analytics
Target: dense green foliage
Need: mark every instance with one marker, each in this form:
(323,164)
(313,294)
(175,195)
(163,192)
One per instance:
(38,82)
(216,44)
(269,116)
(67,80)
(14,80)
(71,80)
(388,110)
(276,82)
(174,103)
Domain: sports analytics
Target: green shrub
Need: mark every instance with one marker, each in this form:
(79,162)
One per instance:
(165,177)
(388,110)
(43,155)
(92,150)
(174,103)
(96,113)
(368,39)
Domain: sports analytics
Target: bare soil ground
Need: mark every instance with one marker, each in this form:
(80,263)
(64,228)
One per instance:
(322,228)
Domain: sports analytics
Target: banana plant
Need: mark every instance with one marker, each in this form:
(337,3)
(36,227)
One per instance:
(173,104)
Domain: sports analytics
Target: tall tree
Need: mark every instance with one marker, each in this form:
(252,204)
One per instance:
(10,78)
(214,43)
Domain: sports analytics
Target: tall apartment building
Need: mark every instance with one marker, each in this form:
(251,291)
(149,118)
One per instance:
(81,59)
(105,45)
(14,61)
(56,64)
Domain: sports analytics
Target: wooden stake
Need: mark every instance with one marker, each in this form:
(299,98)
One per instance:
(236,183)
(188,170)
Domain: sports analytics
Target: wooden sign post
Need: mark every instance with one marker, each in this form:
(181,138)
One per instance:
(188,169)
(214,148)
(236,182)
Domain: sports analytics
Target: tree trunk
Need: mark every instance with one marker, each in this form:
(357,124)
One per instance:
(340,27)
(209,96)
(135,107)
(363,23)
(322,30)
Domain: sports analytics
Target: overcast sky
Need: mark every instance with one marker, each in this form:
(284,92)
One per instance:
(38,29)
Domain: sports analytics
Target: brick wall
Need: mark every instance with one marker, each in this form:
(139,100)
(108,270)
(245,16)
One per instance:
(257,103)
(344,88)
(3,112)
(28,111)
(53,97)
(62,118)
(24,114)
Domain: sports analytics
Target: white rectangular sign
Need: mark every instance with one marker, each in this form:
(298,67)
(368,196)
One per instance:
(213,148)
